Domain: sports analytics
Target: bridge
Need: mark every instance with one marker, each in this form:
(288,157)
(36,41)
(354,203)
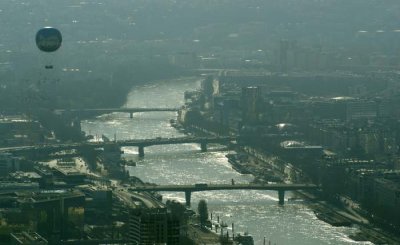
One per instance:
(110,110)
(203,141)
(140,143)
(188,189)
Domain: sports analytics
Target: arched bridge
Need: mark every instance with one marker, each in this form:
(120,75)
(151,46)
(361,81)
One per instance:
(188,189)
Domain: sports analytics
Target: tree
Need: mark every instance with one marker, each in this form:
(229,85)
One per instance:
(203,212)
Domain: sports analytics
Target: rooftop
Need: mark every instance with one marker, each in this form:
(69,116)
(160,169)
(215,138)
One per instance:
(28,238)
(389,183)
(68,171)
(29,175)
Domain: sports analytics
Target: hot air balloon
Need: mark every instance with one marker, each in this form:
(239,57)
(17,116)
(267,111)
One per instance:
(48,39)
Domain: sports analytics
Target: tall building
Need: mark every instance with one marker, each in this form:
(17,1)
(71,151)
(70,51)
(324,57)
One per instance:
(98,204)
(8,163)
(210,87)
(283,55)
(251,104)
(153,226)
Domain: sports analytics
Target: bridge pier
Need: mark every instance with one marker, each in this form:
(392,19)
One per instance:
(130,114)
(188,195)
(203,146)
(141,151)
(281,195)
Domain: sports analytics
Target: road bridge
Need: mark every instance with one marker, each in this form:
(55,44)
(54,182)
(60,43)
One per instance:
(140,143)
(188,189)
(203,141)
(110,110)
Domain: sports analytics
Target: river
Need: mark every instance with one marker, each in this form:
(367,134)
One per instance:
(255,212)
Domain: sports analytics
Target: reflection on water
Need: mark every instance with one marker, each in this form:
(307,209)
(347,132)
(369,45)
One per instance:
(254,211)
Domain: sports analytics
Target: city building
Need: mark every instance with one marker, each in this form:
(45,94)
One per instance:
(10,187)
(27,238)
(149,220)
(98,204)
(55,214)
(153,226)
(300,152)
(361,109)
(69,174)
(20,130)
(8,163)
(251,104)
(386,197)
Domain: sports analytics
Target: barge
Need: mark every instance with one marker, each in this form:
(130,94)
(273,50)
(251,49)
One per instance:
(236,161)
(332,218)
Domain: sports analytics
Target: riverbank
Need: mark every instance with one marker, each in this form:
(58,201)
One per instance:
(336,215)
(258,163)
(256,212)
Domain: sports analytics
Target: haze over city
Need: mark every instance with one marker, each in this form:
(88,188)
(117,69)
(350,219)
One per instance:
(200,122)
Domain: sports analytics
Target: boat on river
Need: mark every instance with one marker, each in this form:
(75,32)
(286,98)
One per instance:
(244,239)
(332,218)
(128,162)
(236,161)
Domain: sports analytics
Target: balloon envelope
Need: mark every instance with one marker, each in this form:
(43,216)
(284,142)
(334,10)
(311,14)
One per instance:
(48,39)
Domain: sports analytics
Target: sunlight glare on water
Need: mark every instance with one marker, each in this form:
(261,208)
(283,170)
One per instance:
(256,212)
